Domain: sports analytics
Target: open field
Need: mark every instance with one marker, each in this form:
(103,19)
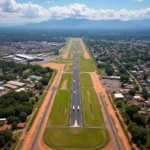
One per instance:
(85,65)
(66,81)
(68,68)
(91,108)
(76,138)
(60,109)
(70,56)
(57,135)
(85,80)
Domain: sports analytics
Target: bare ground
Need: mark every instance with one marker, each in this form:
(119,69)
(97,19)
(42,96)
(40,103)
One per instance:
(99,88)
(29,136)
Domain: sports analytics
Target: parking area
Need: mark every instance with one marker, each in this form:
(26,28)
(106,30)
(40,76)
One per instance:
(112,85)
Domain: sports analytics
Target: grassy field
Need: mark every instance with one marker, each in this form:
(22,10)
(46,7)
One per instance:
(75,138)
(60,110)
(70,56)
(85,80)
(68,68)
(91,108)
(66,81)
(85,65)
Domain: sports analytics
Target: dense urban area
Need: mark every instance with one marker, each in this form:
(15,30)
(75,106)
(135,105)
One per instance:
(121,60)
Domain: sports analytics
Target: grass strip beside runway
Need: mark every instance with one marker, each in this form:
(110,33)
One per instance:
(60,111)
(91,109)
(68,68)
(66,81)
(75,138)
(85,80)
(85,65)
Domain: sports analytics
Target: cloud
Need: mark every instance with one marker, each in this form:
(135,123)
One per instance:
(48,2)
(12,12)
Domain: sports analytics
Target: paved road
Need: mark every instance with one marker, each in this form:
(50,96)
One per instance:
(113,131)
(75,116)
(34,144)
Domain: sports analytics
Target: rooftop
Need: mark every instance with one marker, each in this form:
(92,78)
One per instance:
(16,83)
(21,125)
(118,95)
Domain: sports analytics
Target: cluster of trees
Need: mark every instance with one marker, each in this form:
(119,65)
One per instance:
(15,106)
(5,137)
(124,78)
(136,125)
(12,69)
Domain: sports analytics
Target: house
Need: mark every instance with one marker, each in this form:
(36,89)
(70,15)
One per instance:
(129,86)
(10,86)
(21,125)
(35,78)
(21,89)
(2,119)
(2,88)
(139,98)
(16,83)
(134,102)
(142,112)
(4,127)
(1,82)
(31,86)
(118,96)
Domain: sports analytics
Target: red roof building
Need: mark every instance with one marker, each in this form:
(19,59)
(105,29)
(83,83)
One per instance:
(4,127)
(20,125)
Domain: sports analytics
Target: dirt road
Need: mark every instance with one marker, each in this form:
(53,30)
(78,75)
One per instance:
(99,88)
(29,136)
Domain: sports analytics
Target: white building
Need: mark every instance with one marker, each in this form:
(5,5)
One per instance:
(118,96)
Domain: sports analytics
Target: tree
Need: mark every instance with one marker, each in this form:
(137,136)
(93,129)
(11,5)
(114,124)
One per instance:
(119,104)
(45,81)
(148,120)
(132,92)
(5,136)
(137,87)
(122,70)
(14,125)
(23,116)
(139,134)
(131,110)
(38,86)
(139,119)
(12,119)
(125,78)
(36,98)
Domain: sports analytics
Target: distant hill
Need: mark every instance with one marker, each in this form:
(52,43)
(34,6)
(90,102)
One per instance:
(85,23)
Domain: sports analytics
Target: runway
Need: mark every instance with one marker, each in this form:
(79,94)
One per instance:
(75,116)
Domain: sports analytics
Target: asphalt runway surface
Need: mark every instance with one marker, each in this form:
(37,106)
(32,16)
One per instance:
(75,116)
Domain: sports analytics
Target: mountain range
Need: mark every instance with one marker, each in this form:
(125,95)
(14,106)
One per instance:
(95,24)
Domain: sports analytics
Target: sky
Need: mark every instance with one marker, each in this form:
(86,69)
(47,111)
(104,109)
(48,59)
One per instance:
(26,11)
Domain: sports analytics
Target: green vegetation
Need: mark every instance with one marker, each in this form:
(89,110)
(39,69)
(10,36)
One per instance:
(68,68)
(60,110)
(66,81)
(102,71)
(70,56)
(85,65)
(73,138)
(76,138)
(91,108)
(5,137)
(85,80)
